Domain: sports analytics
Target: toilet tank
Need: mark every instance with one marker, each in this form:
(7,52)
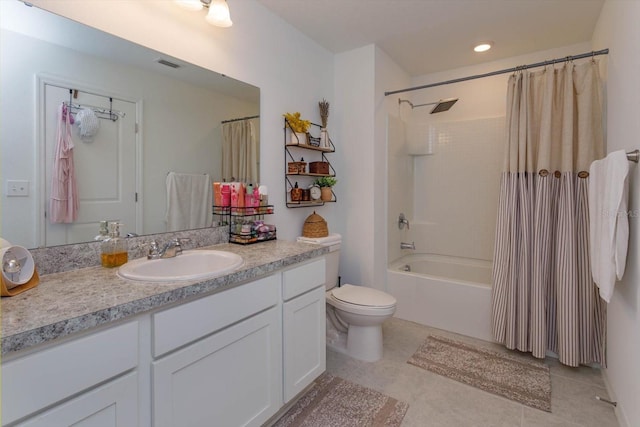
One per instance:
(332,259)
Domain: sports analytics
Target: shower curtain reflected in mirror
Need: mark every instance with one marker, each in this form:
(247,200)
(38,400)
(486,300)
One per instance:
(543,295)
(239,152)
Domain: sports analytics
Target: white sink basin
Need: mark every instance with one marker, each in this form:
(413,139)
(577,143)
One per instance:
(190,265)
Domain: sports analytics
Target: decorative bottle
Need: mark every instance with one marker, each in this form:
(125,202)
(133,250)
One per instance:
(114,249)
(296,193)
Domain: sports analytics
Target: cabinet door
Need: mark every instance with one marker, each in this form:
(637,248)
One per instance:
(231,378)
(52,375)
(114,404)
(304,341)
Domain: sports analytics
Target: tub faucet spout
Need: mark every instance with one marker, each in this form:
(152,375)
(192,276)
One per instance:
(411,245)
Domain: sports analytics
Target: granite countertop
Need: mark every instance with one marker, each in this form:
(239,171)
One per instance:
(74,301)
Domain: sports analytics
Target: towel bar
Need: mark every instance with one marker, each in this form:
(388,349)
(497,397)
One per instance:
(634,156)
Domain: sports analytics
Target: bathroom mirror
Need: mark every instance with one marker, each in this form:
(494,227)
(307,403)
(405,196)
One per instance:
(168,113)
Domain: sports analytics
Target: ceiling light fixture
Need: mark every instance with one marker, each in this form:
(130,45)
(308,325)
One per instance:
(483,47)
(218,14)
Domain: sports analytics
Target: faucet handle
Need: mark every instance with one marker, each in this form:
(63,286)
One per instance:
(177,244)
(154,250)
(402,221)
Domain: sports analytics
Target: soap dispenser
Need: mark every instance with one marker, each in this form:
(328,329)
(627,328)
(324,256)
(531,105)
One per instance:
(103,233)
(114,249)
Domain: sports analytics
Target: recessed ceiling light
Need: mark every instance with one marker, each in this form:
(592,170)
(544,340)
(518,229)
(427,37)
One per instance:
(483,47)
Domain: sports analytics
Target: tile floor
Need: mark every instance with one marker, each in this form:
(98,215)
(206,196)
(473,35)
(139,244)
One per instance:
(438,401)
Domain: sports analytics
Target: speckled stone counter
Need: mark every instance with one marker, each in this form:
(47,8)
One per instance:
(73,301)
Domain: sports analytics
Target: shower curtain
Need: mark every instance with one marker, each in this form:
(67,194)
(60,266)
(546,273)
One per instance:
(543,295)
(239,152)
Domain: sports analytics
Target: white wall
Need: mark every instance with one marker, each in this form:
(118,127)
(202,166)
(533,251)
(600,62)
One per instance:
(354,80)
(362,76)
(292,72)
(618,30)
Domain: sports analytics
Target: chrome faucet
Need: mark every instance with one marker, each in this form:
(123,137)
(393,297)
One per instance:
(411,245)
(170,250)
(402,221)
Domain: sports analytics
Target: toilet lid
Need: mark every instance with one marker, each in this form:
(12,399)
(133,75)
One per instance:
(361,295)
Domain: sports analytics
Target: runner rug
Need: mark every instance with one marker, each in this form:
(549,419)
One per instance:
(334,401)
(517,378)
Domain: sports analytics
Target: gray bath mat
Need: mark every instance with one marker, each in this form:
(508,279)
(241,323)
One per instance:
(517,378)
(334,401)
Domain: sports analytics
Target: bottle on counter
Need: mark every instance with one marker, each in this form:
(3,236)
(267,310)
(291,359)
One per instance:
(264,195)
(114,249)
(225,191)
(256,196)
(248,200)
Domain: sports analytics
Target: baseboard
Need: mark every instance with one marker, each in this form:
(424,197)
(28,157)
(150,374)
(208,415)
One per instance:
(621,416)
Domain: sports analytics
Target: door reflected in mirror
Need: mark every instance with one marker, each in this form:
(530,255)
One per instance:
(171,120)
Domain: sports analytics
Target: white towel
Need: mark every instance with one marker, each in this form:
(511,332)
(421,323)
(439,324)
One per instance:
(609,224)
(189,201)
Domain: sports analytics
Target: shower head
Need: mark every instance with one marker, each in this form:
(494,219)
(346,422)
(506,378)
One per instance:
(440,106)
(443,105)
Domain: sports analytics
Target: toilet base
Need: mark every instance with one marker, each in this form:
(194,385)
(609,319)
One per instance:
(360,342)
(365,342)
(336,340)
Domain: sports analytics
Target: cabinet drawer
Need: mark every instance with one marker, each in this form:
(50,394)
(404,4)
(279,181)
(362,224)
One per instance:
(186,323)
(66,369)
(301,279)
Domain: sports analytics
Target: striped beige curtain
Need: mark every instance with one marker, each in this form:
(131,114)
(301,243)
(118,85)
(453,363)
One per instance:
(239,152)
(543,295)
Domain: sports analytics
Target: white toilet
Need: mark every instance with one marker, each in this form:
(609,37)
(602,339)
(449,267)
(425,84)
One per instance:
(354,313)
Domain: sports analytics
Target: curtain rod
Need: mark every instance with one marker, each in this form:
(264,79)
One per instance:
(242,118)
(507,70)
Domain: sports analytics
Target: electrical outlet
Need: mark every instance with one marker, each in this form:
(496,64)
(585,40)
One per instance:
(17,188)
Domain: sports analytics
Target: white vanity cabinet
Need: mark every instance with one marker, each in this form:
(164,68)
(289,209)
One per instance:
(230,358)
(304,322)
(230,378)
(90,369)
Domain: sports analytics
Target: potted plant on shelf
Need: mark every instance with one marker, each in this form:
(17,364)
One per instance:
(325,183)
(298,126)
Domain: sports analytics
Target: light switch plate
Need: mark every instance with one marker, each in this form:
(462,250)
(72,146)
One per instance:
(17,188)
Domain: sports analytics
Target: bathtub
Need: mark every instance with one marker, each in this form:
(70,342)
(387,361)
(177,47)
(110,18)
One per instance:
(444,292)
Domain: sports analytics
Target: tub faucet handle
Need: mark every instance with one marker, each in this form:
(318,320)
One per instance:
(402,221)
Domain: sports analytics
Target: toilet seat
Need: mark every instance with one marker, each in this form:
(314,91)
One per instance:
(368,302)
(363,296)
